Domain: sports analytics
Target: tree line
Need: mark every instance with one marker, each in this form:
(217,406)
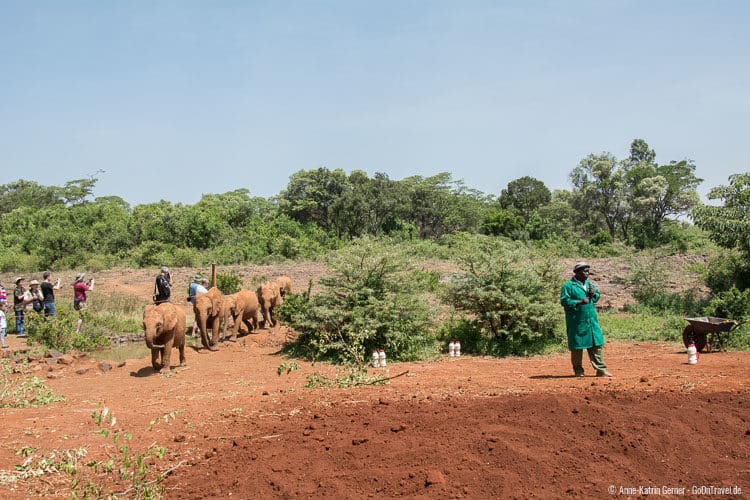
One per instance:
(635,200)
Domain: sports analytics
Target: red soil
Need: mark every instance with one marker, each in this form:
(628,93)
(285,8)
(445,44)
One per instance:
(472,427)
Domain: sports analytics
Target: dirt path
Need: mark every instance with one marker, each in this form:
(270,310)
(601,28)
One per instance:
(472,427)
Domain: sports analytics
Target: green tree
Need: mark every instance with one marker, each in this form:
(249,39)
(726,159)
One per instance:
(598,193)
(728,224)
(22,193)
(524,196)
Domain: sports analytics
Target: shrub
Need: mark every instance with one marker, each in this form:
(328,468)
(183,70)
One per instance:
(371,300)
(228,283)
(503,298)
(59,333)
(601,238)
(732,304)
(725,270)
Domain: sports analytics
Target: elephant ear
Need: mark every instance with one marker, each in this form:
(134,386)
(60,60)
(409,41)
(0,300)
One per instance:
(169,320)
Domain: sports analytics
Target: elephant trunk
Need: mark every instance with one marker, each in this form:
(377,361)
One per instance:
(150,343)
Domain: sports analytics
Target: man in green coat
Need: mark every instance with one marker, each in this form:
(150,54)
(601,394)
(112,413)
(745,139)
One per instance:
(578,297)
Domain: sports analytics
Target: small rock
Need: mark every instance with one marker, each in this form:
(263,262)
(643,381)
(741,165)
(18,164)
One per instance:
(54,375)
(50,361)
(180,439)
(51,353)
(357,442)
(65,360)
(434,477)
(264,393)
(644,379)
(398,428)
(81,371)
(120,364)
(105,367)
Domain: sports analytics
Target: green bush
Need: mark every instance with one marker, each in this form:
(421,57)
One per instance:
(504,298)
(732,304)
(601,238)
(60,333)
(727,269)
(228,283)
(371,300)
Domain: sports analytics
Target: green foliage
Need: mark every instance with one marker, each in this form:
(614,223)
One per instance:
(645,325)
(729,224)
(60,333)
(17,391)
(503,297)
(369,301)
(126,465)
(353,377)
(731,304)
(601,238)
(287,367)
(524,196)
(727,269)
(228,283)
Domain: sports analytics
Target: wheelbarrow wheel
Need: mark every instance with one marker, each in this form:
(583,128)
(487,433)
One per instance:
(690,336)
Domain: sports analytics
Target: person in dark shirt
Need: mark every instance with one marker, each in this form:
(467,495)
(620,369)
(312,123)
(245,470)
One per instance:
(48,292)
(163,287)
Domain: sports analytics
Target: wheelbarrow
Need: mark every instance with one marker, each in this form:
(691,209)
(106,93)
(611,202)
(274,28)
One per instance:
(708,332)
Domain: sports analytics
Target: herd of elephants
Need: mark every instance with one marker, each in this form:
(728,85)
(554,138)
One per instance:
(165,324)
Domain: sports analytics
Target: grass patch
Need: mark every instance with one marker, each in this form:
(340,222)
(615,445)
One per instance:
(643,326)
(21,392)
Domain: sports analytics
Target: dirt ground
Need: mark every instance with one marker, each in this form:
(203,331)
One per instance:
(468,427)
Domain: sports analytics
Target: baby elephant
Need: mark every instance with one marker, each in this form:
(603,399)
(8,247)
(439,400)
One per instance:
(165,328)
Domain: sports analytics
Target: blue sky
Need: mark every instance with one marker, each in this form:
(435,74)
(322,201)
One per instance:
(174,99)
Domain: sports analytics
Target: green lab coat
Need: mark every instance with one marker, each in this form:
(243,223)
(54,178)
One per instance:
(581,322)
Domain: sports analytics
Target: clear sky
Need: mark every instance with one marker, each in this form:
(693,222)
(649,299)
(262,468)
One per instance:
(174,99)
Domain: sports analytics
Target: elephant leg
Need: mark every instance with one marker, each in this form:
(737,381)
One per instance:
(249,325)
(236,324)
(166,355)
(155,359)
(183,361)
(213,346)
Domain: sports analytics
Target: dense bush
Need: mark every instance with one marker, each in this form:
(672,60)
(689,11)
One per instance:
(228,283)
(731,304)
(504,298)
(371,300)
(60,333)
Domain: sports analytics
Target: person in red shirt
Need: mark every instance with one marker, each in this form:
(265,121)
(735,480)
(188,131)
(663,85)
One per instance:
(79,296)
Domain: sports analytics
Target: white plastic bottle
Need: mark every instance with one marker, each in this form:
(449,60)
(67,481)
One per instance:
(381,357)
(375,358)
(451,349)
(457,348)
(692,354)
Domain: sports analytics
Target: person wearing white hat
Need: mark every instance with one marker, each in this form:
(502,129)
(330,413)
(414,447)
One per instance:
(578,296)
(34,296)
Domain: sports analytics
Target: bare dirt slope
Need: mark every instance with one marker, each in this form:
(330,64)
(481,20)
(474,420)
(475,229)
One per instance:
(472,427)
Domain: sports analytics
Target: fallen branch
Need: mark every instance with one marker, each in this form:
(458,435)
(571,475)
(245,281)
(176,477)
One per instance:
(158,479)
(372,382)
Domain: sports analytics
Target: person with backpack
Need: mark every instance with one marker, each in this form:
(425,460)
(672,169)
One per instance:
(34,296)
(163,287)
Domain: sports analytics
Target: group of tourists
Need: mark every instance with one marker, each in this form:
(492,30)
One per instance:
(39,298)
